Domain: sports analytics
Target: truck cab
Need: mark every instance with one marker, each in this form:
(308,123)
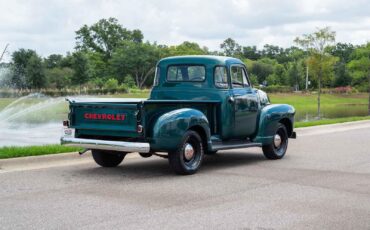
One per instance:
(198,105)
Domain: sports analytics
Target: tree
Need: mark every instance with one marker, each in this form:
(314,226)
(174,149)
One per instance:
(53,61)
(186,48)
(19,62)
(251,52)
(104,36)
(3,52)
(281,75)
(294,75)
(360,66)
(316,44)
(81,69)
(261,69)
(271,51)
(67,61)
(325,67)
(59,77)
(98,67)
(135,59)
(344,52)
(35,76)
(231,48)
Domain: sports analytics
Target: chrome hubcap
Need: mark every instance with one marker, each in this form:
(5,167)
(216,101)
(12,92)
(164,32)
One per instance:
(188,151)
(277,140)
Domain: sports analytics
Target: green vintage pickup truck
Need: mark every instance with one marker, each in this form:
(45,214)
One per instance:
(198,105)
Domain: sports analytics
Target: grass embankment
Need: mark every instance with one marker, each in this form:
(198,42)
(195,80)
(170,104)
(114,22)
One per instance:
(301,124)
(11,152)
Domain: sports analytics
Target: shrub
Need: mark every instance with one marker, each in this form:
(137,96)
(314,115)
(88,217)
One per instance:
(111,85)
(362,88)
(123,88)
(339,90)
(129,82)
(277,89)
(343,89)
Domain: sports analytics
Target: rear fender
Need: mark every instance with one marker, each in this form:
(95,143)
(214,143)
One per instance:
(170,127)
(270,116)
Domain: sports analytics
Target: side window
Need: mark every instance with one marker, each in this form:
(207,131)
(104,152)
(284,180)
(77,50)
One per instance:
(220,77)
(238,77)
(245,79)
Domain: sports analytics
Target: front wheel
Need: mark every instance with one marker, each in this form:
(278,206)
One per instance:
(188,157)
(107,158)
(279,145)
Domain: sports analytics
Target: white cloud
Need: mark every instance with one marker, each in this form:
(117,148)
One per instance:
(49,26)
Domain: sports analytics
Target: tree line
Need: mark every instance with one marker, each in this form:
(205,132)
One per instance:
(107,55)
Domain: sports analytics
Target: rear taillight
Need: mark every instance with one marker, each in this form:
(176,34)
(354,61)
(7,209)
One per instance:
(139,128)
(66,123)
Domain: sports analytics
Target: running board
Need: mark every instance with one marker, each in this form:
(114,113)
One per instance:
(234,145)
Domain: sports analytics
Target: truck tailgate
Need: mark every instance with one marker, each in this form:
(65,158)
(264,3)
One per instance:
(96,117)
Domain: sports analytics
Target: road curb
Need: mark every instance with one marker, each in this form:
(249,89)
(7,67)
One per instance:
(343,124)
(45,161)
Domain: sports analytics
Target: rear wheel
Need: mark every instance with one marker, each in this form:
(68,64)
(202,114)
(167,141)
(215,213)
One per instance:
(279,145)
(188,157)
(107,158)
(145,155)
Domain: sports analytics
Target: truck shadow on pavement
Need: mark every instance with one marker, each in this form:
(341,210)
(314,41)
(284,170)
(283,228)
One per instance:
(153,167)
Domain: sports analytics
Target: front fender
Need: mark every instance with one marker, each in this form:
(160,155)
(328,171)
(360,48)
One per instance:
(269,119)
(170,127)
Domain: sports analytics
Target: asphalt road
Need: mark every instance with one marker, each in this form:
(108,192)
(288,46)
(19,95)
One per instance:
(322,183)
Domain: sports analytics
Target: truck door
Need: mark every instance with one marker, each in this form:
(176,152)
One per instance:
(245,103)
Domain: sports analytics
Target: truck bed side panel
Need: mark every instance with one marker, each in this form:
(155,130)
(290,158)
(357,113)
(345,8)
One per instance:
(152,110)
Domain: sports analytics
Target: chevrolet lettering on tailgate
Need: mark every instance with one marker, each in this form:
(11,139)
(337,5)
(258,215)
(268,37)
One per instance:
(98,116)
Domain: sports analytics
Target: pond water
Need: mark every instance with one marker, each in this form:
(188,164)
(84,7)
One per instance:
(37,119)
(32,120)
(341,110)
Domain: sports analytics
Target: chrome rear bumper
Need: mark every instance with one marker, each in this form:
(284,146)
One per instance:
(122,146)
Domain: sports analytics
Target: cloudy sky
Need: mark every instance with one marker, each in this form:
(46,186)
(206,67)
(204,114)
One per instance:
(49,26)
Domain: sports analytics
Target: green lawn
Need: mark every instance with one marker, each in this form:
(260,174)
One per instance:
(5,101)
(11,152)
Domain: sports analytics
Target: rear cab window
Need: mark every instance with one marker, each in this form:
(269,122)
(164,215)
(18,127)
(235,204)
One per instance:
(186,73)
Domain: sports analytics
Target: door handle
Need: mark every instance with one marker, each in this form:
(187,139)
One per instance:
(231,99)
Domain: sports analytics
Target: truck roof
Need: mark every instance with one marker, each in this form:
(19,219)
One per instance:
(200,59)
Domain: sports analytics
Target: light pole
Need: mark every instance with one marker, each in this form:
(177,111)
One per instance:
(306,77)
